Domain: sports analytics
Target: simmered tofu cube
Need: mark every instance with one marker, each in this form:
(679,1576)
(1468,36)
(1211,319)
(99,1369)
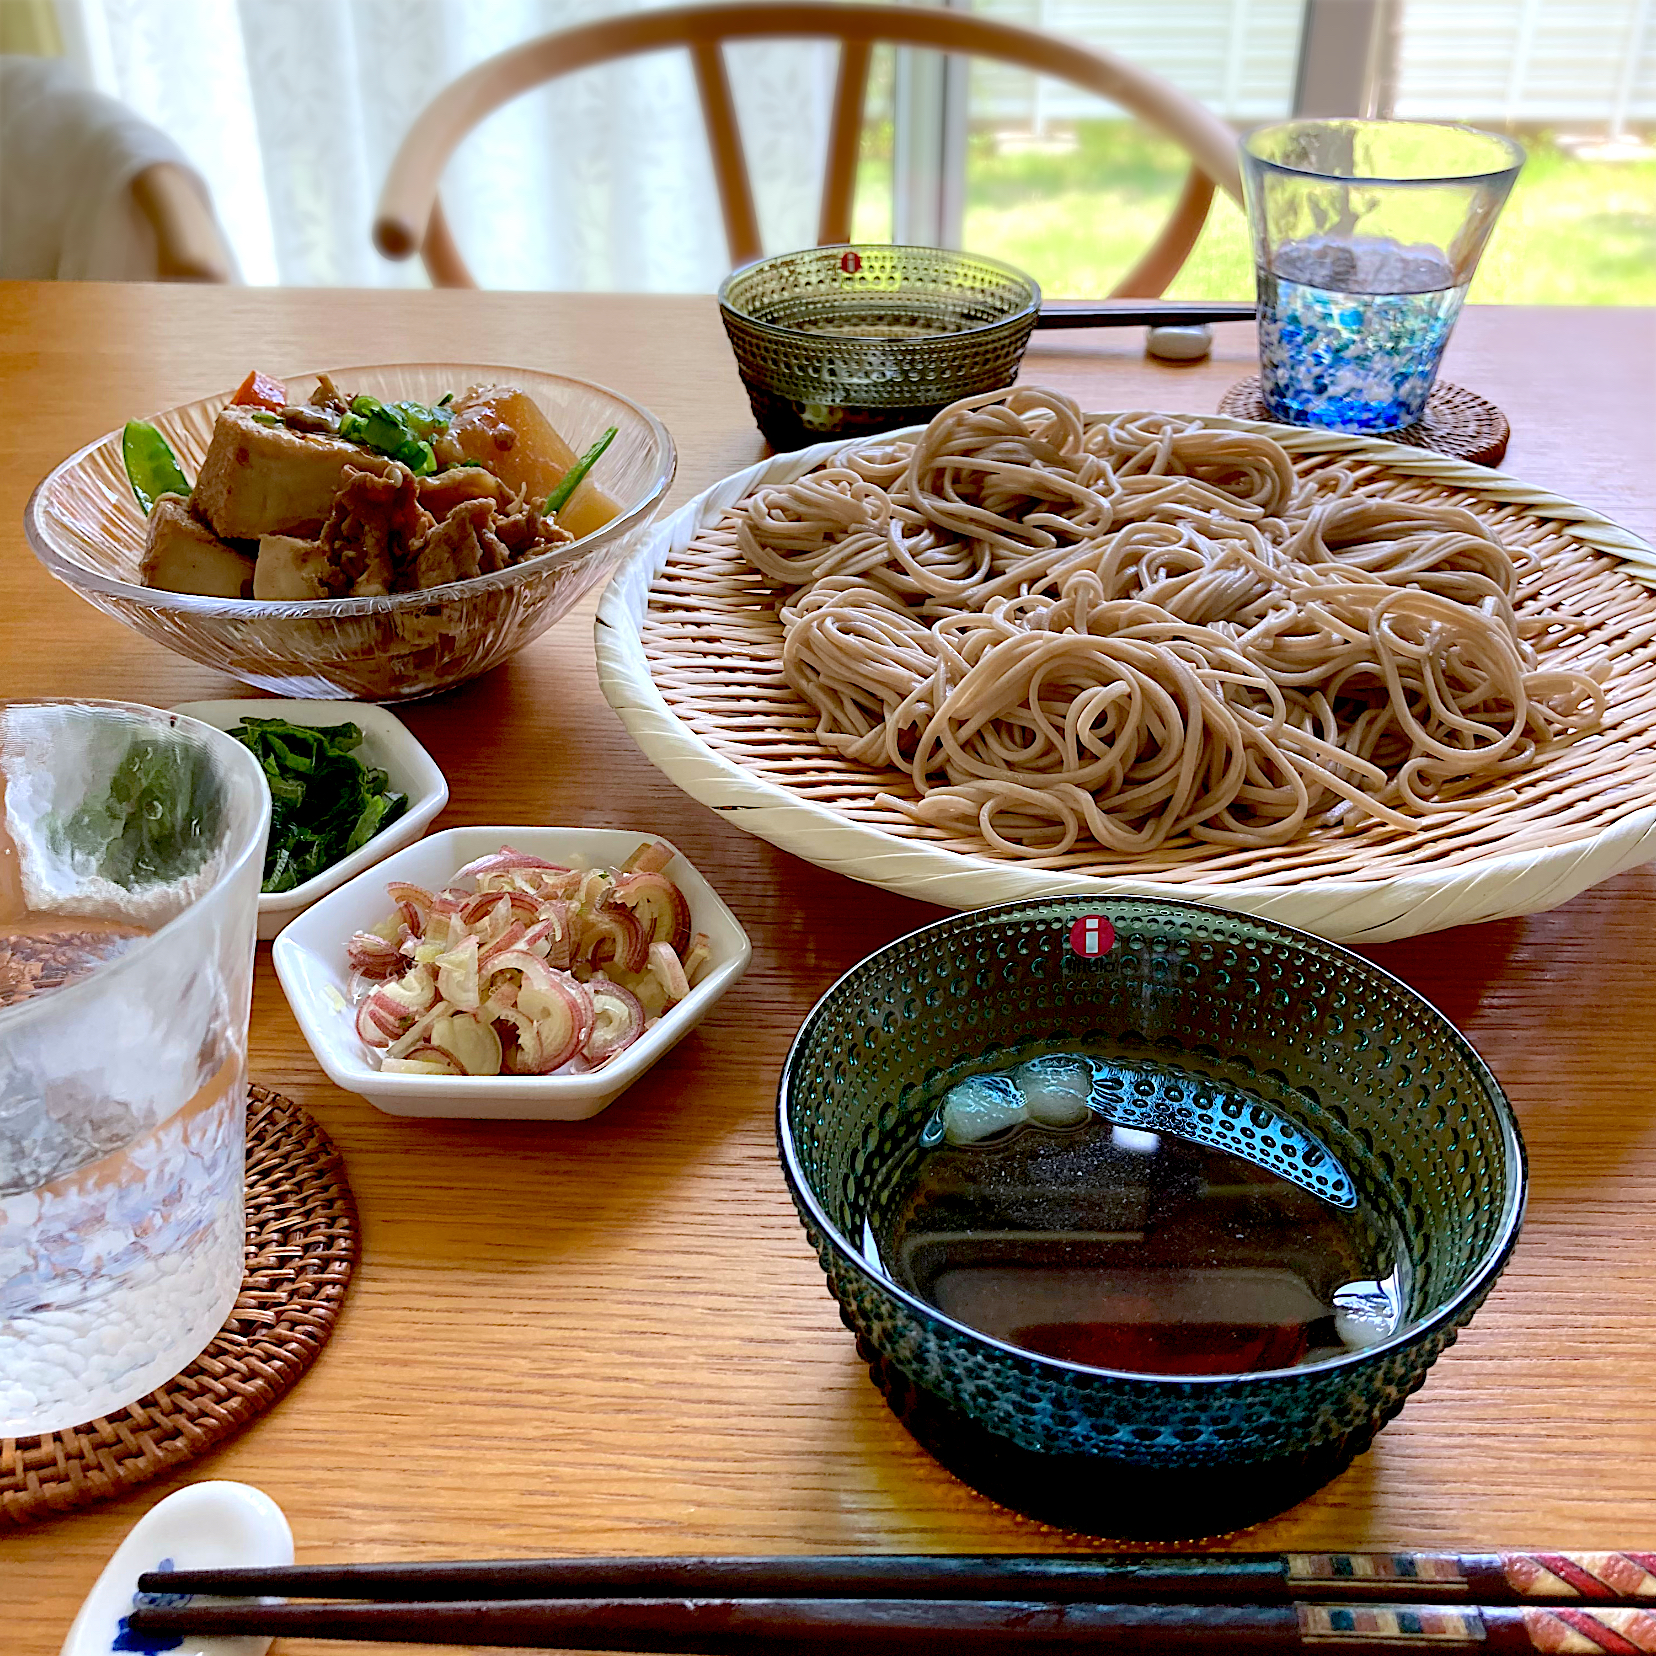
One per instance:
(182,555)
(260,479)
(289,568)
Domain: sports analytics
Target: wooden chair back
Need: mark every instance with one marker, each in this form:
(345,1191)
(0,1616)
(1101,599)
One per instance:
(410,212)
(189,246)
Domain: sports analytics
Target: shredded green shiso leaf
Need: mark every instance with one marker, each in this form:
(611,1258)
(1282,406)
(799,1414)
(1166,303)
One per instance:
(158,821)
(324,802)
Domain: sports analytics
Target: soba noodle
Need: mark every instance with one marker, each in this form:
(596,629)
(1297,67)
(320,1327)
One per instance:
(1142,629)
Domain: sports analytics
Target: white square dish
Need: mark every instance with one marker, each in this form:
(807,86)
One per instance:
(387,745)
(310,961)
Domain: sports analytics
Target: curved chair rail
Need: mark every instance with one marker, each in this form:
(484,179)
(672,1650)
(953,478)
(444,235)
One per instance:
(410,213)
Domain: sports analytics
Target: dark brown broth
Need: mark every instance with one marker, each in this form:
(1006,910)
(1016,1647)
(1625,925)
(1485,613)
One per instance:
(1138,1251)
(871,327)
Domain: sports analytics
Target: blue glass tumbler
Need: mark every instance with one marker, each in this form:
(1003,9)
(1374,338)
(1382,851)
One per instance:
(1366,235)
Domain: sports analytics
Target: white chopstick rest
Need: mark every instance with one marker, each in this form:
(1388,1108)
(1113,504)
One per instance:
(204,1526)
(1180,344)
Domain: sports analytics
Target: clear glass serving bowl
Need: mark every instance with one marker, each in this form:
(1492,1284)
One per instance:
(1218,1008)
(87,529)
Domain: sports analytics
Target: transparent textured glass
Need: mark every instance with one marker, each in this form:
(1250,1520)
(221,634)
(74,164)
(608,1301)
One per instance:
(1213,1002)
(843,341)
(85,526)
(123,1095)
(1366,236)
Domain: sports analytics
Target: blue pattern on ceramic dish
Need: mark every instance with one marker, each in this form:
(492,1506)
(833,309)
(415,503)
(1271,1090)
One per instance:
(1230,1118)
(127,1640)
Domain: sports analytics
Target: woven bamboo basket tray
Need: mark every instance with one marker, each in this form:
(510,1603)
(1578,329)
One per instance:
(689,654)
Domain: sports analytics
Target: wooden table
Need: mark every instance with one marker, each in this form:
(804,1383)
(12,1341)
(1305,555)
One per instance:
(611,1337)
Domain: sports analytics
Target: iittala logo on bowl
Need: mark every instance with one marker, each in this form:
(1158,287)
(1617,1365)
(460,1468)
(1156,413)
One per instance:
(1091,936)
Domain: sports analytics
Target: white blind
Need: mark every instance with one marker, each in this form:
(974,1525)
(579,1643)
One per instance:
(1236,56)
(1584,63)
(1587,64)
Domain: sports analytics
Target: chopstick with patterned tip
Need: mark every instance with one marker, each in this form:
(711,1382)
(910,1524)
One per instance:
(1124,1578)
(920,1627)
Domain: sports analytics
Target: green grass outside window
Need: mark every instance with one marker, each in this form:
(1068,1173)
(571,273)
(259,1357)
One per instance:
(1574,232)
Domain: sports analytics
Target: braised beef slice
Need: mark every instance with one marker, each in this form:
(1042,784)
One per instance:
(394,532)
(526,534)
(320,421)
(442,493)
(460,547)
(372,535)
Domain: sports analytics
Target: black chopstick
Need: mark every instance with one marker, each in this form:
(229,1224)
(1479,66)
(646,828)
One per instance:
(1142,313)
(898,1627)
(1122,1578)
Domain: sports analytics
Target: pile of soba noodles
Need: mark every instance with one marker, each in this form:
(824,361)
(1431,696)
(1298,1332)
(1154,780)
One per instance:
(1141,630)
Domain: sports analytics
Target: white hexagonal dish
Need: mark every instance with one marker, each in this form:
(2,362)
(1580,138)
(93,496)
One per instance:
(310,961)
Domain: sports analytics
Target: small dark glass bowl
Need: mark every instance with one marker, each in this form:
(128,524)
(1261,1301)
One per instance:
(1318,1034)
(845,341)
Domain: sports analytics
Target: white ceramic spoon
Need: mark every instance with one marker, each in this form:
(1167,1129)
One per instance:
(206,1526)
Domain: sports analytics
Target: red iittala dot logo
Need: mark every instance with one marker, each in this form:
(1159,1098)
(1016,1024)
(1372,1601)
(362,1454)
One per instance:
(850,263)
(1091,936)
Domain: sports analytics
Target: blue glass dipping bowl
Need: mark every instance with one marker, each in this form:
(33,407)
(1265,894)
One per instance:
(1344,1050)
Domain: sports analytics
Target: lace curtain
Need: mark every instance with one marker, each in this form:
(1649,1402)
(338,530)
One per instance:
(292,110)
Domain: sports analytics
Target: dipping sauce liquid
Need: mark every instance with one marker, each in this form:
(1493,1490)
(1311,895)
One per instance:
(1139,1251)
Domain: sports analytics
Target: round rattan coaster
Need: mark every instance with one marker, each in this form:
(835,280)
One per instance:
(1457,422)
(302,1246)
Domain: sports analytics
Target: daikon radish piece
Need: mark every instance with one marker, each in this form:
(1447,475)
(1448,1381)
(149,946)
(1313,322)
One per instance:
(505,430)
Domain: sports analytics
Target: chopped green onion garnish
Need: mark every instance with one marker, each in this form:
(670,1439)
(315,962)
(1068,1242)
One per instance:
(399,431)
(423,421)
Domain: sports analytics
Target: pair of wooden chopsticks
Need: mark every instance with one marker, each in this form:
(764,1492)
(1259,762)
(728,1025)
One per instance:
(1203,1604)
(1144,313)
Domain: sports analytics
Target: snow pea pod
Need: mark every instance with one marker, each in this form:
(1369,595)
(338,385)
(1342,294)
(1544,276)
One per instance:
(151,466)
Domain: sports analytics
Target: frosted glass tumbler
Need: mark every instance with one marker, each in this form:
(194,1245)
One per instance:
(1366,235)
(131,851)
